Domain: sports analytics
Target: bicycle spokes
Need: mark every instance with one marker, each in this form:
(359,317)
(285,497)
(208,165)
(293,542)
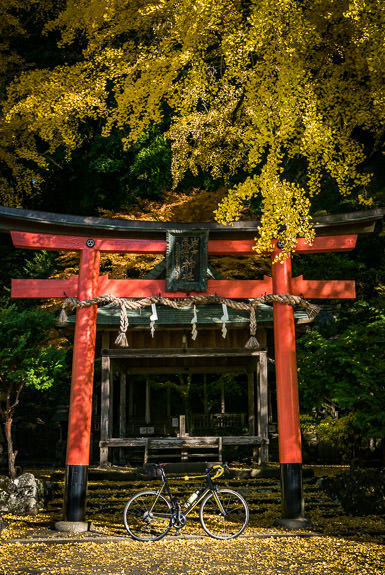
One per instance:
(147,516)
(224,515)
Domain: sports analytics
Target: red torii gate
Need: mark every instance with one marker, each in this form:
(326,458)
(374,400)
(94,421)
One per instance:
(90,284)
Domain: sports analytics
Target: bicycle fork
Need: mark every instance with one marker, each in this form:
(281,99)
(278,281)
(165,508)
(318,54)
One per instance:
(219,503)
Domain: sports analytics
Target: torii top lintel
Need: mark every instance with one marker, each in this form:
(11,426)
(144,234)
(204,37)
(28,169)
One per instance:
(145,288)
(31,229)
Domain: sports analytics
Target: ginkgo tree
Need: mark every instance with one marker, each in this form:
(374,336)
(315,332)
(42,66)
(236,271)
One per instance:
(277,98)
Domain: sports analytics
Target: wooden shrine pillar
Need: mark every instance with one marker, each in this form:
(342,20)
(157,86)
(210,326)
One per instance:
(251,402)
(105,399)
(223,402)
(147,411)
(205,396)
(122,412)
(263,406)
(251,407)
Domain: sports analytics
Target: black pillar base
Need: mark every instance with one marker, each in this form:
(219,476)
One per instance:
(291,489)
(75,493)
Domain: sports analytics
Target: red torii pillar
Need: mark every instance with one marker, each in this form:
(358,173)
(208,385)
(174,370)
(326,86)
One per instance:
(89,284)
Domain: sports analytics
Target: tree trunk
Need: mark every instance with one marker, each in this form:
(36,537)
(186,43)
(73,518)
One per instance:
(6,412)
(11,453)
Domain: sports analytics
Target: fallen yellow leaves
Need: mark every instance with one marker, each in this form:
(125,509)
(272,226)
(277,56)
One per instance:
(337,544)
(312,555)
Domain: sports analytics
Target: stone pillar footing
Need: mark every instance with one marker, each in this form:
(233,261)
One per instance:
(72,526)
(297,523)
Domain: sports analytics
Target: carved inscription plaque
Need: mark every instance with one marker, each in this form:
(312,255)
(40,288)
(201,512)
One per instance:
(186,261)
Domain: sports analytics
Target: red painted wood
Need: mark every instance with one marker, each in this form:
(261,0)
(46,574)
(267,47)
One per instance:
(322,244)
(289,435)
(148,288)
(45,288)
(317,289)
(137,288)
(320,289)
(75,243)
(231,247)
(215,247)
(79,423)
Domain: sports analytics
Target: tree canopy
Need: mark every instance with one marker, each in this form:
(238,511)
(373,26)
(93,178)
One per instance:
(279,99)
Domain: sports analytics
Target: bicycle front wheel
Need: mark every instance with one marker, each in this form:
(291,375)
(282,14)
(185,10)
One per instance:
(147,516)
(224,514)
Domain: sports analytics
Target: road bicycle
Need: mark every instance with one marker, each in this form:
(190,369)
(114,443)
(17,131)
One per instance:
(149,515)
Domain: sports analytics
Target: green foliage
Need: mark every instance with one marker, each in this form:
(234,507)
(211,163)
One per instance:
(360,492)
(349,371)
(26,357)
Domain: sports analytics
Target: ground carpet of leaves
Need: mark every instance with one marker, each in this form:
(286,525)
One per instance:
(336,544)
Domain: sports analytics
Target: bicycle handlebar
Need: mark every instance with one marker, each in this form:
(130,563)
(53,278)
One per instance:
(158,470)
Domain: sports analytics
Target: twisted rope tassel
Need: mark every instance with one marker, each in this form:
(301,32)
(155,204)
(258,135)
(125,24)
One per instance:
(63,314)
(122,337)
(252,343)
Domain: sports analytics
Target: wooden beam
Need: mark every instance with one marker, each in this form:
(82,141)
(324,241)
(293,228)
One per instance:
(76,243)
(178,352)
(242,289)
(231,247)
(157,288)
(322,244)
(58,242)
(185,370)
(323,289)
(35,288)
(178,442)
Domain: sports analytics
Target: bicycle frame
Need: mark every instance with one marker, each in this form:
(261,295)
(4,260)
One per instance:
(175,505)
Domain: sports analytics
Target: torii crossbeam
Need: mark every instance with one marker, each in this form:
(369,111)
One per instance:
(90,284)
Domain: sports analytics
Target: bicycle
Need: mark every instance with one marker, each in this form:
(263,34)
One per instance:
(149,515)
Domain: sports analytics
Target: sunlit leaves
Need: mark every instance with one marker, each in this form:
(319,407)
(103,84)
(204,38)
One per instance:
(253,90)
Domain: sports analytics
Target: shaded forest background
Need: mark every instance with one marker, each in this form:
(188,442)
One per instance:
(341,360)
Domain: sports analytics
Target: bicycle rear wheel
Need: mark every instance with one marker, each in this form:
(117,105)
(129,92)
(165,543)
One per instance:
(228,522)
(147,516)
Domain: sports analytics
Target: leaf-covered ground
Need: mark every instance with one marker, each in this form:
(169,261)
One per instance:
(336,544)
